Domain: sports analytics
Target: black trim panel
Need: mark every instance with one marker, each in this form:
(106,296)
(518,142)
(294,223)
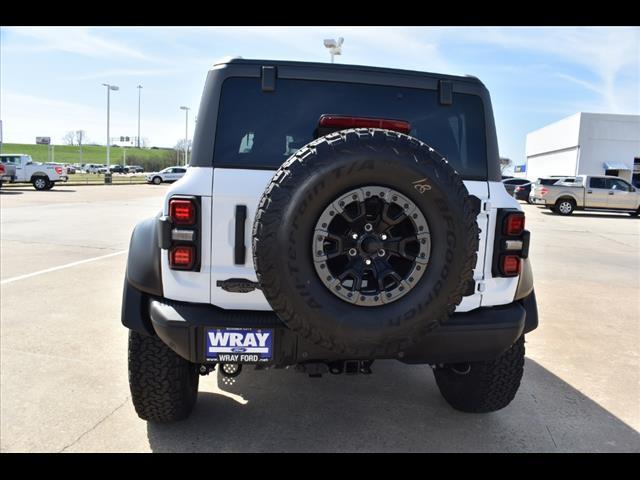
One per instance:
(239,248)
(143,262)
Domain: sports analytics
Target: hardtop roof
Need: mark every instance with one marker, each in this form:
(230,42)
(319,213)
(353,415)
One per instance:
(344,67)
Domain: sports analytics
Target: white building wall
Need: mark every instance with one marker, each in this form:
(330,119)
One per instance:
(608,139)
(581,145)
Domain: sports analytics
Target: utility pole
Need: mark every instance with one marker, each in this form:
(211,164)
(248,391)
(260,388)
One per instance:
(186,135)
(139,90)
(107,175)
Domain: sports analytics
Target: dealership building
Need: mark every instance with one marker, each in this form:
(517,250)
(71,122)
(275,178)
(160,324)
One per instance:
(585,144)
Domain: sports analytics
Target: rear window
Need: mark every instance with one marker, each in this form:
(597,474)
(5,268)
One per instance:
(262,129)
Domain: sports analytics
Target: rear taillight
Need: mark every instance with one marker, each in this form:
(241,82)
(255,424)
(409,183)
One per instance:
(179,233)
(510,265)
(343,122)
(2,170)
(182,257)
(182,212)
(59,170)
(513,224)
(511,243)
(543,191)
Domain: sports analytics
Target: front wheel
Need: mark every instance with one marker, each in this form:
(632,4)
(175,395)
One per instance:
(481,387)
(157,180)
(164,386)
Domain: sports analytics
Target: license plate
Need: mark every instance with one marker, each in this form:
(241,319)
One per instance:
(239,345)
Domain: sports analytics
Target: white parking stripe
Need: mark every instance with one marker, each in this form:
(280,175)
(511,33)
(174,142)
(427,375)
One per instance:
(53,269)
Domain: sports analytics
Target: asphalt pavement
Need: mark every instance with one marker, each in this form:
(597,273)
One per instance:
(63,351)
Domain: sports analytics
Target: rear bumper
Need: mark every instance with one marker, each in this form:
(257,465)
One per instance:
(537,200)
(482,334)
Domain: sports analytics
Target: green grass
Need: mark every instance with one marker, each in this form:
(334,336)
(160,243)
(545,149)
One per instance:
(150,159)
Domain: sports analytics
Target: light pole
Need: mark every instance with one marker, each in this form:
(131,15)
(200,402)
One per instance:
(186,134)
(139,90)
(335,47)
(109,88)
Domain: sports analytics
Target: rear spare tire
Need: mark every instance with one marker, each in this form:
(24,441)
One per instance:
(364,241)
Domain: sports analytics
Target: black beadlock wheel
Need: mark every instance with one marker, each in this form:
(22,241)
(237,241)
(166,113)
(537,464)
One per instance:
(481,387)
(164,386)
(407,267)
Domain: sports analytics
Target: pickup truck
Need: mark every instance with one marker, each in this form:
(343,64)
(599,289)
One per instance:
(585,192)
(7,173)
(41,176)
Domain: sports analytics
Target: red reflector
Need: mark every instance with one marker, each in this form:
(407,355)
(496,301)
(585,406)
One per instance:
(182,212)
(339,121)
(510,265)
(182,257)
(514,224)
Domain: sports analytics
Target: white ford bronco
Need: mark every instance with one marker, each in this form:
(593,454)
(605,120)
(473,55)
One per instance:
(332,215)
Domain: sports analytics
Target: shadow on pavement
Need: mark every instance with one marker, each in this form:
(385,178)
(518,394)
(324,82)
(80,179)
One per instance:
(31,189)
(592,215)
(398,408)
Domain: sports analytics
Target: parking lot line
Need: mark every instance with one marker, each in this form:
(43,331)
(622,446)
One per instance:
(60,267)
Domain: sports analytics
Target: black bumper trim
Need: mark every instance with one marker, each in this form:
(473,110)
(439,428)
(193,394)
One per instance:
(482,334)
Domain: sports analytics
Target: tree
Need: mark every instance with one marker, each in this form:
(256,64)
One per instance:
(179,148)
(81,137)
(505,163)
(69,138)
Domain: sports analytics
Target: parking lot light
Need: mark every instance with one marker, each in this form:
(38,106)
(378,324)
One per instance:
(109,88)
(186,135)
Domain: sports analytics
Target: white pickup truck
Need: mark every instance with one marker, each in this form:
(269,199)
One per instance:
(600,192)
(41,176)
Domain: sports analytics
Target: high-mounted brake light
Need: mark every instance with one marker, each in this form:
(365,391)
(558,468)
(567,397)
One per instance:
(182,257)
(343,122)
(182,212)
(513,224)
(510,265)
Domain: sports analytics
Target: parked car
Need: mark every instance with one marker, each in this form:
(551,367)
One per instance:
(41,175)
(71,169)
(511,183)
(7,173)
(588,193)
(521,192)
(95,168)
(135,169)
(360,244)
(169,174)
(119,169)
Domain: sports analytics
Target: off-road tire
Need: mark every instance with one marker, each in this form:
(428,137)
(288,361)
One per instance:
(488,386)
(164,386)
(310,180)
(40,183)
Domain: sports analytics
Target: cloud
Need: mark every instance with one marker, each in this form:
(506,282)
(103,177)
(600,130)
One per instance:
(121,73)
(75,40)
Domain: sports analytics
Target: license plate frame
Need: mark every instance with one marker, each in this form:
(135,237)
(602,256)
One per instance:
(246,345)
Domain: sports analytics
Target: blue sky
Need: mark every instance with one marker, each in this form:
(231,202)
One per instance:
(50,78)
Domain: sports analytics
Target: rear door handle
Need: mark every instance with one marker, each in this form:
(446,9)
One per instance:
(240,250)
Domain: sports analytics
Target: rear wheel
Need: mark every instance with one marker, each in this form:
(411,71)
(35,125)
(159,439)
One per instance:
(481,387)
(164,386)
(565,206)
(40,183)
